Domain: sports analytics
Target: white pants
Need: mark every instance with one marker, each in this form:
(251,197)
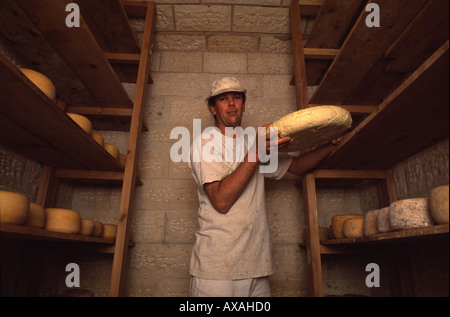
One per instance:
(254,287)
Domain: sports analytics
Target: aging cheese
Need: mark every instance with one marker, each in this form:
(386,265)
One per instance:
(337,223)
(353,227)
(410,213)
(370,223)
(109,231)
(112,150)
(98,138)
(438,199)
(86,227)
(313,127)
(383,223)
(41,81)
(14,207)
(98,229)
(62,220)
(36,216)
(82,121)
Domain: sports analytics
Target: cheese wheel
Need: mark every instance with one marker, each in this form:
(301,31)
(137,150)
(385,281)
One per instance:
(86,227)
(337,223)
(14,207)
(98,229)
(438,199)
(409,213)
(62,220)
(36,216)
(41,81)
(353,227)
(370,223)
(109,231)
(313,127)
(82,121)
(112,150)
(98,138)
(383,224)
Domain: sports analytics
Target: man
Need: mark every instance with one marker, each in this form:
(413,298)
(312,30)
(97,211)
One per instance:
(232,255)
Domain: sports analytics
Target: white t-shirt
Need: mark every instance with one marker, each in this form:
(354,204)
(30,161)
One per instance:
(235,245)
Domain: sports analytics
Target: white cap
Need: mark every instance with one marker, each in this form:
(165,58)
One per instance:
(226,84)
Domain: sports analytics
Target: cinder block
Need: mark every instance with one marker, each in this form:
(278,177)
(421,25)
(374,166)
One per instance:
(229,43)
(148,226)
(207,18)
(231,63)
(178,42)
(270,63)
(181,226)
(276,44)
(181,62)
(261,19)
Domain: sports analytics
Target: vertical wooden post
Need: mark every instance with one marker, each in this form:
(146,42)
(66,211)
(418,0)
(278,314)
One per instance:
(299,56)
(312,236)
(47,187)
(129,181)
(390,183)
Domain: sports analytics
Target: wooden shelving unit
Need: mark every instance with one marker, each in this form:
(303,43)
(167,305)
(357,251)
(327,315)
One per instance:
(87,64)
(395,84)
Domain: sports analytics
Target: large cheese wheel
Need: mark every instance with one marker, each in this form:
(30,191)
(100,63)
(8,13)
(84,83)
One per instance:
(438,198)
(82,121)
(313,127)
(41,81)
(112,150)
(109,231)
(383,223)
(410,213)
(98,138)
(14,207)
(62,220)
(36,216)
(86,227)
(98,229)
(370,223)
(337,223)
(353,227)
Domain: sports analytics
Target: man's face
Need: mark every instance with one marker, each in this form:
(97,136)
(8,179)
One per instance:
(228,109)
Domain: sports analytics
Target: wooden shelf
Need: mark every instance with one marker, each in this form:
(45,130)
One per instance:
(23,232)
(35,126)
(395,236)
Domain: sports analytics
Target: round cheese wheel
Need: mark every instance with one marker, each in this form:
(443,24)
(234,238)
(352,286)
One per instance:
(313,127)
(410,213)
(109,231)
(112,150)
(370,223)
(438,199)
(86,227)
(383,223)
(97,138)
(62,220)
(14,207)
(337,223)
(36,217)
(98,229)
(82,121)
(353,227)
(41,81)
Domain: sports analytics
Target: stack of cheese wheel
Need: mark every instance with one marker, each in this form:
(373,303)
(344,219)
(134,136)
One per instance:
(337,223)
(109,231)
(370,223)
(353,227)
(62,220)
(97,138)
(383,223)
(112,150)
(98,229)
(14,208)
(36,217)
(438,198)
(86,227)
(41,81)
(409,214)
(82,121)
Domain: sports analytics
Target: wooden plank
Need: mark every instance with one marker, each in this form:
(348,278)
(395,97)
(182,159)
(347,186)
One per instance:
(333,23)
(79,50)
(312,236)
(362,174)
(363,48)
(33,117)
(299,58)
(320,53)
(47,188)
(129,181)
(411,119)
